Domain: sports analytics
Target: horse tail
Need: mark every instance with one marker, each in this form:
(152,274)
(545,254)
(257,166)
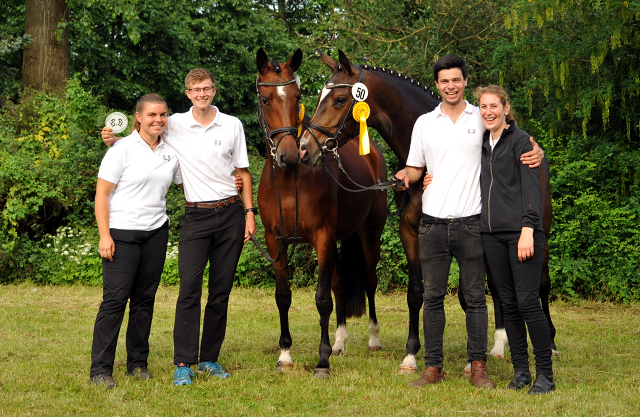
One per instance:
(353,275)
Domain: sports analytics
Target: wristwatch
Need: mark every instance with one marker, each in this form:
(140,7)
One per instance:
(253,210)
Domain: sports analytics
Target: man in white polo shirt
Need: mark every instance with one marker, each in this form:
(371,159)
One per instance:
(448,141)
(210,145)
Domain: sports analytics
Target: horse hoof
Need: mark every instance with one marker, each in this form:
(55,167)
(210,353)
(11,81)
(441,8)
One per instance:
(284,366)
(374,348)
(321,373)
(337,352)
(408,370)
(555,352)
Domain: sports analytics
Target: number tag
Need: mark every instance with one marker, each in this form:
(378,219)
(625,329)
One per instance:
(360,92)
(117,122)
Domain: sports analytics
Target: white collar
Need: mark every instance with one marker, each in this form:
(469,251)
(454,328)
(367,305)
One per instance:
(216,120)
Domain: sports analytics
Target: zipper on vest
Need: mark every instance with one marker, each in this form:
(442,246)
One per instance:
(490,186)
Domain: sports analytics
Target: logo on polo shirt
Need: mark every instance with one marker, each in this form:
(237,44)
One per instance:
(166,157)
(471,131)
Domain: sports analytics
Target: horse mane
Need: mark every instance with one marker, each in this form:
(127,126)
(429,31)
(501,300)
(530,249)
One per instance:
(401,76)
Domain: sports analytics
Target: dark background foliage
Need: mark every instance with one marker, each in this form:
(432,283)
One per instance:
(570,67)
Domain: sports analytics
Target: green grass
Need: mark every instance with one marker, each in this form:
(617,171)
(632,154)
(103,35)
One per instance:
(45,343)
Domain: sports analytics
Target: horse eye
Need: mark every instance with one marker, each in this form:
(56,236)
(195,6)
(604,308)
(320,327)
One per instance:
(340,100)
(264,100)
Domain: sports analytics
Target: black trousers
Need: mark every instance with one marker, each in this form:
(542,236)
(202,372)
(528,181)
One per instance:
(134,275)
(518,284)
(215,236)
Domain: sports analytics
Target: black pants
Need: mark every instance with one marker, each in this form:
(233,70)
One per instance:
(438,242)
(134,274)
(518,284)
(215,236)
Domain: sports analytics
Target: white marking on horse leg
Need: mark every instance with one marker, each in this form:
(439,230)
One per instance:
(284,361)
(374,340)
(467,370)
(500,341)
(341,338)
(408,365)
(555,352)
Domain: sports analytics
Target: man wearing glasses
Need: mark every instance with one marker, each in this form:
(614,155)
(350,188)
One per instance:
(210,145)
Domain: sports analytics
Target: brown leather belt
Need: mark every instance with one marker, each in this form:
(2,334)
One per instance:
(215,204)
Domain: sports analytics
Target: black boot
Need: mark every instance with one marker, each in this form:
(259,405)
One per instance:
(520,379)
(544,384)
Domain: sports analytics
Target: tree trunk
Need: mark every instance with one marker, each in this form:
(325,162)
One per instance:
(46,59)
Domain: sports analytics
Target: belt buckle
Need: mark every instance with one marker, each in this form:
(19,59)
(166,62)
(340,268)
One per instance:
(449,220)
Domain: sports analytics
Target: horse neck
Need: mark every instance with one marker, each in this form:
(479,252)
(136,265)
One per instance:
(396,104)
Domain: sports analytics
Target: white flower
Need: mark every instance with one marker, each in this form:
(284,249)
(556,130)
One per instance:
(48,245)
(55,249)
(168,243)
(65,253)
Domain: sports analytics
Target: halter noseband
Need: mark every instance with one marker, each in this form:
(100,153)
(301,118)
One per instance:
(331,144)
(293,131)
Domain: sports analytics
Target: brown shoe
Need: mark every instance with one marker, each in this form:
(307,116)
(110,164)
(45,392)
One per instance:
(431,375)
(479,376)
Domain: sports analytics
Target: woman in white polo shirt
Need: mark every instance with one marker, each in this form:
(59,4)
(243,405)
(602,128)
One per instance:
(131,213)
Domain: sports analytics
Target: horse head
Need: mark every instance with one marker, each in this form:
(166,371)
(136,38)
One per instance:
(278,90)
(332,124)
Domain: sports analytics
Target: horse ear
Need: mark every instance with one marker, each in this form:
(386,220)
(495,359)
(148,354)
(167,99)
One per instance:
(262,60)
(295,61)
(329,62)
(344,61)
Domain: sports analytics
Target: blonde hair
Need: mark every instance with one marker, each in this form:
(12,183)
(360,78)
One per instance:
(499,92)
(196,75)
(150,98)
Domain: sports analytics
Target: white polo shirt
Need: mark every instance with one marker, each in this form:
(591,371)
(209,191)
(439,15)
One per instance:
(452,153)
(142,178)
(208,154)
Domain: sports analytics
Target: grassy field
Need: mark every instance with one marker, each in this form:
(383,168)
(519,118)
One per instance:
(45,342)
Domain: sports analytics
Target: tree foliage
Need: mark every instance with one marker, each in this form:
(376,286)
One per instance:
(574,64)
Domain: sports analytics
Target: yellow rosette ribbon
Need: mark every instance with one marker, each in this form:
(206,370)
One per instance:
(361,112)
(300,117)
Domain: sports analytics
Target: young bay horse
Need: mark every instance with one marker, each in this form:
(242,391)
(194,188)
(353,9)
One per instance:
(316,210)
(396,101)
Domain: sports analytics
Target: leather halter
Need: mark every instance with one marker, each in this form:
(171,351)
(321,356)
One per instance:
(293,131)
(331,144)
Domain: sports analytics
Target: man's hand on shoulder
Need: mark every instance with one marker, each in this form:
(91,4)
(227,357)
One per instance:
(533,158)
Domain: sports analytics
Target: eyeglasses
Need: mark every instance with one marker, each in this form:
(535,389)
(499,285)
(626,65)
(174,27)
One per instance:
(202,90)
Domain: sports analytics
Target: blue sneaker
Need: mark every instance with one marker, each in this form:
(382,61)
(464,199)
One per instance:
(182,375)
(214,369)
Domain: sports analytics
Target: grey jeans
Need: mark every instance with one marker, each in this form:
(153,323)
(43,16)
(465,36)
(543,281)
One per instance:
(439,240)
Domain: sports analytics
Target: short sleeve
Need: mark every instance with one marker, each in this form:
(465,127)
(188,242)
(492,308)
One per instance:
(240,159)
(112,165)
(416,156)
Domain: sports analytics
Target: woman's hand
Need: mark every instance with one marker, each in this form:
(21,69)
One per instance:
(428,179)
(107,248)
(525,244)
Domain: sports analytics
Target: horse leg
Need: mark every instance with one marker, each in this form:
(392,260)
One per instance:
(415,289)
(283,301)
(370,236)
(327,258)
(341,319)
(545,289)
(500,336)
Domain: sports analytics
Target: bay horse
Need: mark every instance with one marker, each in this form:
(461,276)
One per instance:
(303,204)
(396,101)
